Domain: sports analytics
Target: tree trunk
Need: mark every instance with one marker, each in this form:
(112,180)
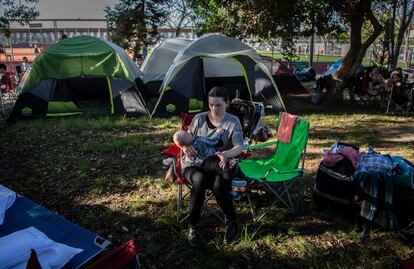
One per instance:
(143,27)
(391,64)
(358,49)
(352,58)
(397,48)
(178,28)
(184,14)
(407,39)
(404,23)
(325,43)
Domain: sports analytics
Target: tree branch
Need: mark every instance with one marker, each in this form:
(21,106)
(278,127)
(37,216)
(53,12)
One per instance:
(377,28)
(410,16)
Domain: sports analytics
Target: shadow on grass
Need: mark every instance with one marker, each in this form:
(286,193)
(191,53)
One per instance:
(80,164)
(314,238)
(101,176)
(300,105)
(163,242)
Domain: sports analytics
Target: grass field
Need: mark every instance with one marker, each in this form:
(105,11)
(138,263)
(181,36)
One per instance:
(323,58)
(105,174)
(304,58)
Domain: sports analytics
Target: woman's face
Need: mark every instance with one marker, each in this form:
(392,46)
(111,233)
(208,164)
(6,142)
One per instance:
(217,106)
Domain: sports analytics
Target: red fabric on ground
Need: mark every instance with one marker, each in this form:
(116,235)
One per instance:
(118,258)
(408,264)
(33,262)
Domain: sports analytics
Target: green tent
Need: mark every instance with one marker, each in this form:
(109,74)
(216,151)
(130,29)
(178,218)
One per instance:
(77,75)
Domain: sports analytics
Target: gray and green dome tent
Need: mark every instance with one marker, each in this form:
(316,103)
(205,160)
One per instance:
(80,74)
(156,65)
(215,60)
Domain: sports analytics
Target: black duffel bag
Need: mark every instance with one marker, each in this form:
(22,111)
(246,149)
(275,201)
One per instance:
(335,183)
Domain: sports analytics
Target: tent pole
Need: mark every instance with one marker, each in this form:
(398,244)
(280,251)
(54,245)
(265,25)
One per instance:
(271,66)
(204,82)
(110,95)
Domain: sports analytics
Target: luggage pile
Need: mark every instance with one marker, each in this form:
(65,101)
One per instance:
(380,185)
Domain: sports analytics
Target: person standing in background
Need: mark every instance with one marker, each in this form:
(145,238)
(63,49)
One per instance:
(25,64)
(62,35)
(36,50)
(144,52)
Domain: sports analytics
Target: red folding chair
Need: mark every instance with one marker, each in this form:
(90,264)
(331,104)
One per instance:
(9,95)
(183,187)
(11,82)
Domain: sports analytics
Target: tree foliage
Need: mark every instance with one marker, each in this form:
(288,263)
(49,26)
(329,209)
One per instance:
(214,16)
(179,15)
(12,11)
(134,23)
(405,10)
(355,13)
(382,45)
(394,28)
(268,20)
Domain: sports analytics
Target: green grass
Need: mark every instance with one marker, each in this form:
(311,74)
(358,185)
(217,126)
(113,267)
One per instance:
(105,173)
(304,58)
(322,58)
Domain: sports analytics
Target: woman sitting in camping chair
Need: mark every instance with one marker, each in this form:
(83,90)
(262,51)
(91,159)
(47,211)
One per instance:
(229,146)
(377,86)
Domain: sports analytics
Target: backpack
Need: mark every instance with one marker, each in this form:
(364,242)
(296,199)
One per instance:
(335,184)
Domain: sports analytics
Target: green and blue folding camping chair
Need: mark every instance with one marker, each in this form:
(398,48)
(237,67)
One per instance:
(278,173)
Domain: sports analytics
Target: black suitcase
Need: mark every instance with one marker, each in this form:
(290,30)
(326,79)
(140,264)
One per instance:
(335,183)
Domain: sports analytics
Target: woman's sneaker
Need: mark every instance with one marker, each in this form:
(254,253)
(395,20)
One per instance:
(193,238)
(232,232)
(236,196)
(237,182)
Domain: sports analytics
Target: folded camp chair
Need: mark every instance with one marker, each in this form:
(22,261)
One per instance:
(183,187)
(406,99)
(279,172)
(24,213)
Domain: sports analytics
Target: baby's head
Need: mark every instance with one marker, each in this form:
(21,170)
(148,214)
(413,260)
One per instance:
(182,139)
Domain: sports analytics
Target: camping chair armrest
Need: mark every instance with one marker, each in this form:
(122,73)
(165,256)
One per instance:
(282,172)
(265,144)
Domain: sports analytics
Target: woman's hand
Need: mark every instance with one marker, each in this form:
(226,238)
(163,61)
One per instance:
(190,151)
(223,159)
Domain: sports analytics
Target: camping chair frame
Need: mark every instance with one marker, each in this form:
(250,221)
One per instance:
(174,154)
(406,106)
(278,190)
(254,184)
(183,191)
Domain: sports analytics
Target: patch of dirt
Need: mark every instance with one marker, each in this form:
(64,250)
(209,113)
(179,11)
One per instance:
(401,132)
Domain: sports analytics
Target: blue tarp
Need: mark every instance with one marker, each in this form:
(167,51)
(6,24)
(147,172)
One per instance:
(335,66)
(24,213)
